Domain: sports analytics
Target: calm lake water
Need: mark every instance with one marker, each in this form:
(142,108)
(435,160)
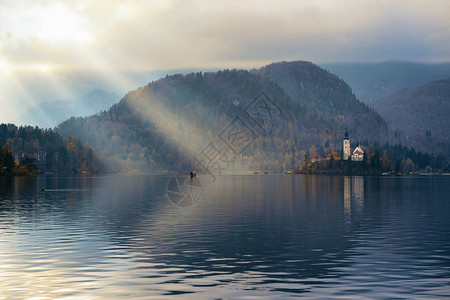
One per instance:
(244,237)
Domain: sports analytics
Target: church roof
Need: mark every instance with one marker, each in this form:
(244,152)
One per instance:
(358,150)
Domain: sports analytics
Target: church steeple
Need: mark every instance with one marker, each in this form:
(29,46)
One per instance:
(346,146)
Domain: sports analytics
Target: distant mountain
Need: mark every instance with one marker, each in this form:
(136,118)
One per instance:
(421,115)
(265,119)
(371,81)
(47,99)
(95,101)
(50,113)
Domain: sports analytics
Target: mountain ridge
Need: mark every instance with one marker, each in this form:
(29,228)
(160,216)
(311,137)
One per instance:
(45,113)
(420,114)
(166,123)
(371,81)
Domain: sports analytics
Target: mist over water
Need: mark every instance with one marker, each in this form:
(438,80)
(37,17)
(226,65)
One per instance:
(260,236)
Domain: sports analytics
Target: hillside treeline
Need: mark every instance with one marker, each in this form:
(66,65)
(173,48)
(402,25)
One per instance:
(378,159)
(167,124)
(45,151)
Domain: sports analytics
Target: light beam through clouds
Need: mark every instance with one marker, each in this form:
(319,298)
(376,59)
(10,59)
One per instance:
(114,36)
(146,35)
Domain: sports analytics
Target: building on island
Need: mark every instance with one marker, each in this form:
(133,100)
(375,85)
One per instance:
(333,155)
(358,153)
(346,151)
(316,158)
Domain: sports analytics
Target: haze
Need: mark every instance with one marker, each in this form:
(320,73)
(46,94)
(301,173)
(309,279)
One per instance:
(60,50)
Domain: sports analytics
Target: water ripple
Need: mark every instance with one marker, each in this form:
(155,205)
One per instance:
(270,237)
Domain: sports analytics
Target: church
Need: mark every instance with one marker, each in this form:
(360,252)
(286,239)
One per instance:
(358,153)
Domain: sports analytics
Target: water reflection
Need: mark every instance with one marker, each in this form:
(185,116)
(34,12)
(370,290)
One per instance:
(353,197)
(249,236)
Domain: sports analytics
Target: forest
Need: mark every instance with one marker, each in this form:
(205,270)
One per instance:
(228,121)
(28,150)
(420,114)
(284,108)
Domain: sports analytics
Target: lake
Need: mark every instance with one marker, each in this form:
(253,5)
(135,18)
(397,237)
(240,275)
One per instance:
(259,236)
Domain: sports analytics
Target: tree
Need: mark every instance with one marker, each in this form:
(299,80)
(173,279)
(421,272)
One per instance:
(370,154)
(28,165)
(375,161)
(331,163)
(84,169)
(408,165)
(398,166)
(385,163)
(6,160)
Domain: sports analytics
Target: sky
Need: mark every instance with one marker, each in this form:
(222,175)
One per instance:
(41,41)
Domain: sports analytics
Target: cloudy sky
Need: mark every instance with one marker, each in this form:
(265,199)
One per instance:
(113,36)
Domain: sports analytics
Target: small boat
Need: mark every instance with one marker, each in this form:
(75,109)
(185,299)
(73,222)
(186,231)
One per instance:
(193,174)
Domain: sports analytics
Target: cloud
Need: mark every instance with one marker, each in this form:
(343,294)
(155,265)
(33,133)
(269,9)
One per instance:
(144,35)
(42,40)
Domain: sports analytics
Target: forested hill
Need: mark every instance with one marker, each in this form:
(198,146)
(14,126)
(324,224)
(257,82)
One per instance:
(421,114)
(46,150)
(326,95)
(166,124)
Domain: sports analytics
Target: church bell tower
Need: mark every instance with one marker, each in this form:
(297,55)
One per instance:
(346,149)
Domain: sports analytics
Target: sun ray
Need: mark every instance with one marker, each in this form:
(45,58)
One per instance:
(11,87)
(181,127)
